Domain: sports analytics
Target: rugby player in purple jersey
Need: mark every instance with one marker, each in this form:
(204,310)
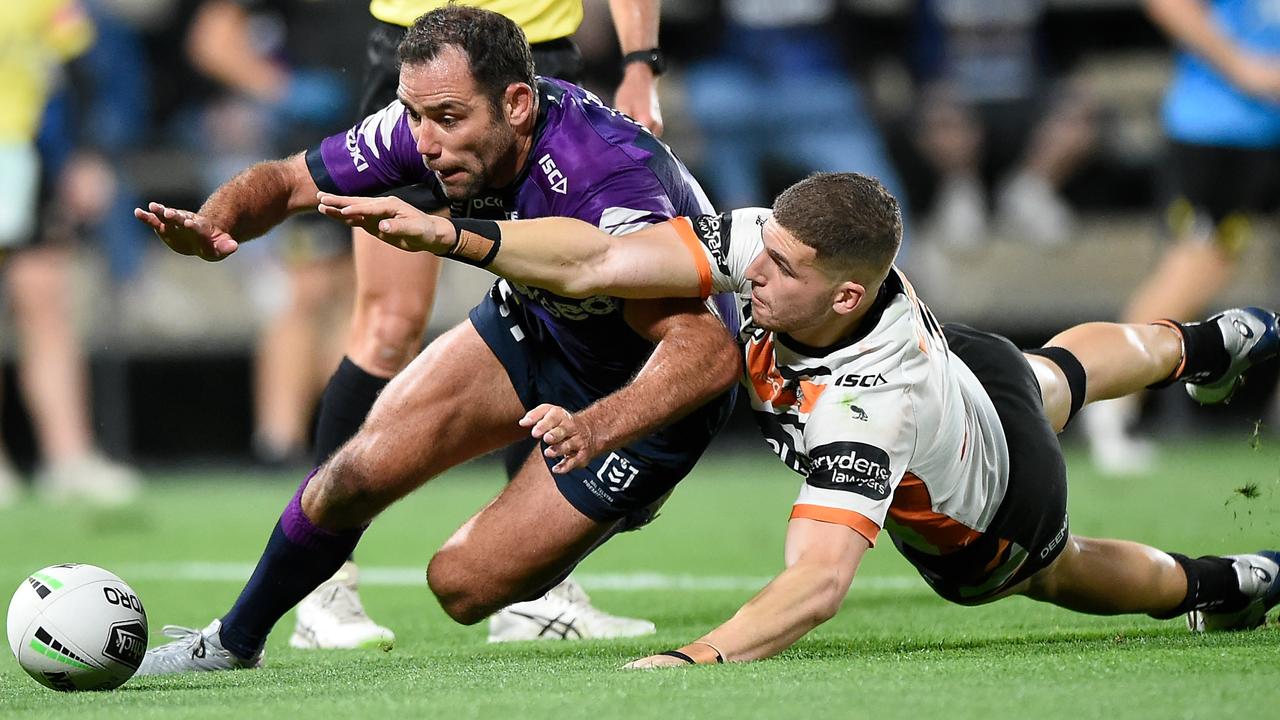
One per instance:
(482,137)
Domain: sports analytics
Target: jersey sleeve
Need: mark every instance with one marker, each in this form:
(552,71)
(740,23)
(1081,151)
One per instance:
(724,245)
(860,442)
(375,156)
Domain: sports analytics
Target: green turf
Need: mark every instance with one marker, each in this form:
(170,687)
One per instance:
(895,651)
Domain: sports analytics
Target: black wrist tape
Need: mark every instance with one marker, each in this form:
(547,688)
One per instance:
(680,655)
(478,241)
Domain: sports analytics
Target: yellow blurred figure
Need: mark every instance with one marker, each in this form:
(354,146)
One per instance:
(541,20)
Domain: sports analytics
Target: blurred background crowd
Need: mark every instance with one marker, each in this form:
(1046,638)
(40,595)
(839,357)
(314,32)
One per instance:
(1029,140)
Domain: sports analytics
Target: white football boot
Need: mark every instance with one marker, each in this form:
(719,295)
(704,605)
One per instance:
(564,613)
(1259,576)
(332,617)
(194,651)
(1251,335)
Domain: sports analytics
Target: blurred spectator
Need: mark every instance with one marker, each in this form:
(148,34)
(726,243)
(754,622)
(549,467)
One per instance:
(777,92)
(990,116)
(281,97)
(39,37)
(1222,119)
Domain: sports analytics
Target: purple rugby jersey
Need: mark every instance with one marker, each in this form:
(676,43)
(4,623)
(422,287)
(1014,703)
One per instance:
(588,162)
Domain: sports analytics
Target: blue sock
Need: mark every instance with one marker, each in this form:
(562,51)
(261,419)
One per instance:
(298,558)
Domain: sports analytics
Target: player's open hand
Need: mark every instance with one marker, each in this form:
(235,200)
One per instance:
(566,437)
(187,233)
(392,221)
(654,662)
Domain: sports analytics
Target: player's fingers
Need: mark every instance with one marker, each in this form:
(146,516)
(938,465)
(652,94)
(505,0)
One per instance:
(534,415)
(149,219)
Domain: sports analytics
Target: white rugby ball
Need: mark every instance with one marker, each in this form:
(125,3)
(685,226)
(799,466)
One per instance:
(77,627)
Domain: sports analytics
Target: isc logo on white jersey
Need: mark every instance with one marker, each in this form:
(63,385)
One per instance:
(558,181)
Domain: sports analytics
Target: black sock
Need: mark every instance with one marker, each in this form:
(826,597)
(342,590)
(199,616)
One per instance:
(345,404)
(1204,356)
(299,557)
(1212,584)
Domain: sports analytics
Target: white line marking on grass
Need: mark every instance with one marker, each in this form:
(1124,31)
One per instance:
(415,577)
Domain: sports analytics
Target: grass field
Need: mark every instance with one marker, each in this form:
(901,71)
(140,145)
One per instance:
(895,651)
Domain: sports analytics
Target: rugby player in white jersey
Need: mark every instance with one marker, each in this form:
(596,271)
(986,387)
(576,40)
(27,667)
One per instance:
(943,436)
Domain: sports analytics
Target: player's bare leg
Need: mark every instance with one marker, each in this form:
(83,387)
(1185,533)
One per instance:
(1187,278)
(394,294)
(513,549)
(452,403)
(1118,359)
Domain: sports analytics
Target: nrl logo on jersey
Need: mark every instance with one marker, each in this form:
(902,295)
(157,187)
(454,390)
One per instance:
(858,413)
(555,178)
(617,472)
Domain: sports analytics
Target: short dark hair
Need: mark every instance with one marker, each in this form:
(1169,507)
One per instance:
(850,220)
(497,52)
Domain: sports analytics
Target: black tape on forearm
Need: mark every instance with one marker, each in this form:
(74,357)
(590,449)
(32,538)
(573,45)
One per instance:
(478,241)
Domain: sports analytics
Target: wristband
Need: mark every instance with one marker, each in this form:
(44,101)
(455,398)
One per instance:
(678,654)
(652,57)
(478,241)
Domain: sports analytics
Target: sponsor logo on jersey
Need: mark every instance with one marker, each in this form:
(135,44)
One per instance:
(850,466)
(617,472)
(353,149)
(858,380)
(566,308)
(555,178)
(713,230)
(127,643)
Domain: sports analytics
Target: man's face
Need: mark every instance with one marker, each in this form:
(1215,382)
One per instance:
(789,292)
(460,136)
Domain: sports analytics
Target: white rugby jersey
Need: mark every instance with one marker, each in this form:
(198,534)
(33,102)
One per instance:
(888,427)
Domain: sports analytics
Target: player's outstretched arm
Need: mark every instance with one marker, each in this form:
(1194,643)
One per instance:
(243,208)
(566,256)
(821,561)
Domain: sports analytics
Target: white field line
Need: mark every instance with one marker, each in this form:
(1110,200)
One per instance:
(415,577)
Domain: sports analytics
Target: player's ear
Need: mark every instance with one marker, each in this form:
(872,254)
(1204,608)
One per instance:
(517,103)
(847,297)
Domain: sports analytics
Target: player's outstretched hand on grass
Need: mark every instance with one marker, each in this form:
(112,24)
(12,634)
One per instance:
(392,221)
(187,233)
(566,438)
(654,662)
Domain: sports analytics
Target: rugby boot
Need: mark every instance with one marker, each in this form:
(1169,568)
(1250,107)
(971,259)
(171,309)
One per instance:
(194,651)
(1259,577)
(333,618)
(564,613)
(1250,335)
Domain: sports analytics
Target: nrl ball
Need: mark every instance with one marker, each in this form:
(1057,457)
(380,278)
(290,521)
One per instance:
(77,627)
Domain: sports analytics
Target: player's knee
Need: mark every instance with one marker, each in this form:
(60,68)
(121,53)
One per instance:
(455,586)
(387,336)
